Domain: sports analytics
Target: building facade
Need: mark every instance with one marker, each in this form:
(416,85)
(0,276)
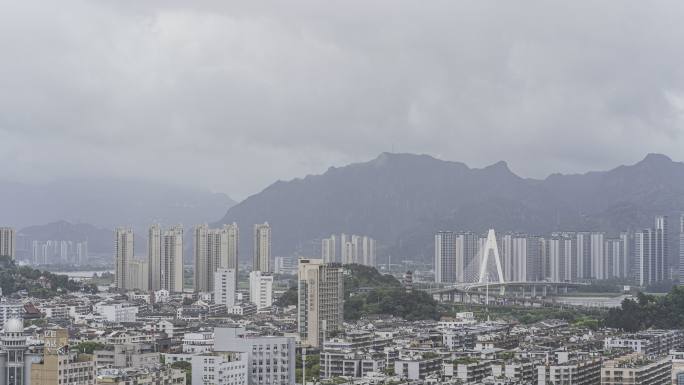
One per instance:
(224,286)
(261,289)
(7,242)
(123,253)
(262,248)
(320,302)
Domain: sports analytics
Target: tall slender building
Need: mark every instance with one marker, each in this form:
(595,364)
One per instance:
(651,253)
(598,262)
(661,264)
(7,242)
(583,255)
(514,256)
(262,248)
(445,257)
(329,249)
(320,309)
(212,250)
(123,254)
(368,251)
(154,257)
(233,248)
(204,265)
(468,256)
(171,252)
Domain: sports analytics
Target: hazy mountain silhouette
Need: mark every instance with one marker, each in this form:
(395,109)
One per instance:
(403,199)
(108,203)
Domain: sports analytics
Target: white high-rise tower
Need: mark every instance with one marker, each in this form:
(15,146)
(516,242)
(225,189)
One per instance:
(262,248)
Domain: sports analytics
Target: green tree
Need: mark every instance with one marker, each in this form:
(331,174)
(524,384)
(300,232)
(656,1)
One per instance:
(88,347)
(187,368)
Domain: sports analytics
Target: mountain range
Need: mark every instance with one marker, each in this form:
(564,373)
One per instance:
(403,199)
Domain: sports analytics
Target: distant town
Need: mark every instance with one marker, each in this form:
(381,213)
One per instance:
(510,308)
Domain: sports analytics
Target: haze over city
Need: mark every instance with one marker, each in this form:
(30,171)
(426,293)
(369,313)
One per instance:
(230,96)
(341,193)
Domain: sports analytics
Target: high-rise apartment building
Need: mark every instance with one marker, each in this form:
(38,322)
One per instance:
(261,289)
(233,233)
(154,257)
(224,286)
(598,263)
(329,249)
(123,254)
(321,300)
(171,252)
(368,252)
(137,275)
(651,253)
(560,255)
(213,249)
(514,255)
(661,264)
(583,255)
(7,242)
(445,257)
(262,248)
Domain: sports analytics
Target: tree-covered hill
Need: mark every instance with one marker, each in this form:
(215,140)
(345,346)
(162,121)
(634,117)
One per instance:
(37,283)
(648,311)
(368,292)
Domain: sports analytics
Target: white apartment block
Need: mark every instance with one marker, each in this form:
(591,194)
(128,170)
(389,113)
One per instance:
(224,286)
(219,368)
(261,289)
(117,312)
(271,360)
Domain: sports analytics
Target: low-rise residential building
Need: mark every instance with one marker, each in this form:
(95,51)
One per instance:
(578,370)
(160,375)
(651,343)
(117,312)
(271,359)
(636,368)
(201,342)
(127,356)
(417,368)
(220,368)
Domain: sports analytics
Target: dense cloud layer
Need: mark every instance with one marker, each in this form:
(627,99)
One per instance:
(234,95)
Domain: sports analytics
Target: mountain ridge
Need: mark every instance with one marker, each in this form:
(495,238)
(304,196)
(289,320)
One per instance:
(402,199)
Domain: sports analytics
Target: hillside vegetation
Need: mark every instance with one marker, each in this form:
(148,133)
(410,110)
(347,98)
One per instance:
(648,311)
(40,284)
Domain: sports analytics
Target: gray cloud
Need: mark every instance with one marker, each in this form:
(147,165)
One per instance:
(234,95)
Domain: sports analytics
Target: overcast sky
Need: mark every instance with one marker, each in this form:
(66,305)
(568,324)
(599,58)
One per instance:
(232,96)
